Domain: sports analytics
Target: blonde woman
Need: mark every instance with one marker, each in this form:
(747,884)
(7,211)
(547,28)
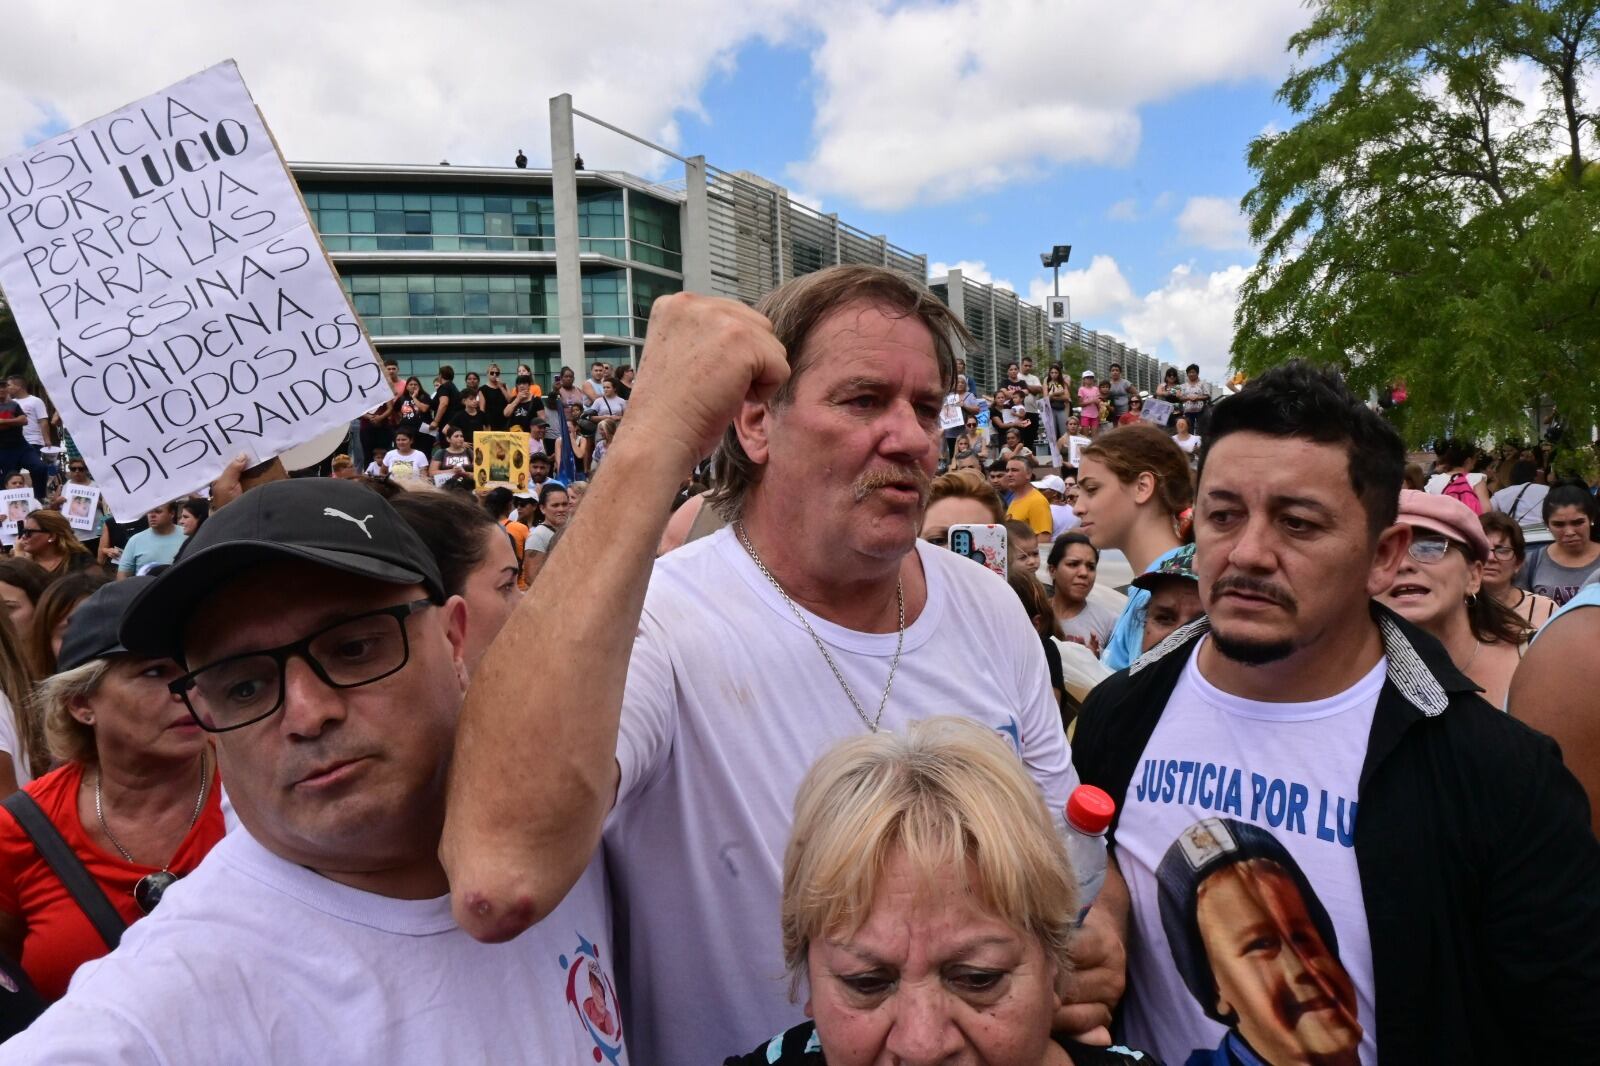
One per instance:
(48,539)
(923,861)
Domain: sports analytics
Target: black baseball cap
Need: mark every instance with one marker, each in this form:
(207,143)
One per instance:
(339,524)
(94,628)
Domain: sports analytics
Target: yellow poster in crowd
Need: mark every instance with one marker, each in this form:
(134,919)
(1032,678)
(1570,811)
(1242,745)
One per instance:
(500,460)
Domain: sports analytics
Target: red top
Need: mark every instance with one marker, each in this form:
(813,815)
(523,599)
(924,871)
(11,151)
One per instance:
(58,937)
(1089,810)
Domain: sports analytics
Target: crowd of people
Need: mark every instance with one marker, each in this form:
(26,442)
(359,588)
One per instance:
(714,751)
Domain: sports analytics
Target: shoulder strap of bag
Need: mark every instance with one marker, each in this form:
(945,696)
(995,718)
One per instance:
(1518,502)
(54,849)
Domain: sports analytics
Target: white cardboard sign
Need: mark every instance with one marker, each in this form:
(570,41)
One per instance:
(79,503)
(172,294)
(1157,411)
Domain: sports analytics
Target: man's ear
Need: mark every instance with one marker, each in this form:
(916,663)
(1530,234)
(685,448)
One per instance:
(1393,543)
(753,424)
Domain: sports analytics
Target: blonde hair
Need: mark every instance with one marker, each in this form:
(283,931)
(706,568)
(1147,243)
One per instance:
(60,532)
(946,793)
(68,739)
(968,485)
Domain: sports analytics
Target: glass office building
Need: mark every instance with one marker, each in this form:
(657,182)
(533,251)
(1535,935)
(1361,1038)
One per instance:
(456,265)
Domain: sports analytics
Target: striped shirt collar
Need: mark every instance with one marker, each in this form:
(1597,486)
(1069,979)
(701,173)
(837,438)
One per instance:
(1407,671)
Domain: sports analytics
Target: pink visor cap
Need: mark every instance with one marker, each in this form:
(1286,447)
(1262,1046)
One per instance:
(1444,515)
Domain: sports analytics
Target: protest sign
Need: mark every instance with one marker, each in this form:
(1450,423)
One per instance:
(172,295)
(500,460)
(15,505)
(79,503)
(1157,411)
(950,415)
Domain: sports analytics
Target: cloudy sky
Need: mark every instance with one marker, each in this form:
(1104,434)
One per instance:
(979,132)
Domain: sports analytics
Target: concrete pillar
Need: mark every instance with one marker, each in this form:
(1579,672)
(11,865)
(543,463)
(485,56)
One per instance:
(838,250)
(696,227)
(780,243)
(569,267)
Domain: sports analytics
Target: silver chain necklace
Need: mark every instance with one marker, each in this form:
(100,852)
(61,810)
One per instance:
(147,893)
(900,643)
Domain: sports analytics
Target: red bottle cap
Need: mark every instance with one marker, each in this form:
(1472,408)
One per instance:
(1089,809)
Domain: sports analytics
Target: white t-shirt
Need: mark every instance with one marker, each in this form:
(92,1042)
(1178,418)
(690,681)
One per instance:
(34,408)
(609,407)
(1063,518)
(1527,499)
(728,703)
(1188,446)
(9,743)
(539,538)
(1030,402)
(412,467)
(1288,770)
(1437,482)
(253,959)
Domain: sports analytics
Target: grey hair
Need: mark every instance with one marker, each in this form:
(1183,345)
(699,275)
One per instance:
(68,739)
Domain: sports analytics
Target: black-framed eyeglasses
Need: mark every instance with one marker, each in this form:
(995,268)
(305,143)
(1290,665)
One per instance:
(244,689)
(26,531)
(1503,551)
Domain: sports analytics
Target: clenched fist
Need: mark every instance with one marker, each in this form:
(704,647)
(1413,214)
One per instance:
(704,356)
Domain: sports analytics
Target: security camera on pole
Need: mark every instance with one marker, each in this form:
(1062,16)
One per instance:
(1059,307)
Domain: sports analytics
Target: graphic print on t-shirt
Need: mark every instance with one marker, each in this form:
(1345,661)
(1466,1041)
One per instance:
(1237,841)
(593,998)
(1254,944)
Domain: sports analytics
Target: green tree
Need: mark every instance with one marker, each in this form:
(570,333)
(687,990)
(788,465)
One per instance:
(1421,222)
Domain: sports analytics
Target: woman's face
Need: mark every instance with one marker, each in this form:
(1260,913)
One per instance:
(402,442)
(1183,426)
(413,386)
(187,522)
(609,388)
(1570,527)
(15,603)
(951,511)
(931,978)
(458,440)
(491,593)
(136,717)
(1427,593)
(1106,508)
(1502,564)
(524,370)
(556,508)
(1073,576)
(15,482)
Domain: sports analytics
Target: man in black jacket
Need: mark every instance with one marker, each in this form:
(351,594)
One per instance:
(1464,905)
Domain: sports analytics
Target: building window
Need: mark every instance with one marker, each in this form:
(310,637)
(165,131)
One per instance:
(397,305)
(655,232)
(600,223)
(605,298)
(807,257)
(444,222)
(647,287)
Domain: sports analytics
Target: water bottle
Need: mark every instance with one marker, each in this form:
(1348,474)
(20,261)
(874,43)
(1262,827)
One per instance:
(1089,812)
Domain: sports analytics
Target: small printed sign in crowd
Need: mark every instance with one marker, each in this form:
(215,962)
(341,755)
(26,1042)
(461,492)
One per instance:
(175,300)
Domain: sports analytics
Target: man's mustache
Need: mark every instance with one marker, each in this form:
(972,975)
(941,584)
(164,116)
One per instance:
(883,477)
(1257,587)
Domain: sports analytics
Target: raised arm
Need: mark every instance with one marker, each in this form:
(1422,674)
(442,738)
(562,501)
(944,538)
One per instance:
(533,781)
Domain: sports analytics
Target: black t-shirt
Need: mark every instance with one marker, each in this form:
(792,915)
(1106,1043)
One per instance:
(521,413)
(11,436)
(494,407)
(469,423)
(448,390)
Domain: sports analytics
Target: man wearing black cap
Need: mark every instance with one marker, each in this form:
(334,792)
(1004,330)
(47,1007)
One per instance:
(320,650)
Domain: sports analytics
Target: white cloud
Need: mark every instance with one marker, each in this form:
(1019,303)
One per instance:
(1188,319)
(1124,211)
(933,102)
(976,269)
(414,82)
(1213,222)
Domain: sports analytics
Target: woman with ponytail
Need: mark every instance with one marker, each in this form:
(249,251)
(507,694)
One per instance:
(1134,495)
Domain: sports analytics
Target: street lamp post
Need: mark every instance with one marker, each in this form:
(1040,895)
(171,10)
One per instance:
(1055,258)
